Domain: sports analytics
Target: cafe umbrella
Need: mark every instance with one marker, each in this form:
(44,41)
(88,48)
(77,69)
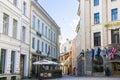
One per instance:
(45,62)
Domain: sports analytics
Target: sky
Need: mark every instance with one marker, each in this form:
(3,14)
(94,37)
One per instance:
(64,13)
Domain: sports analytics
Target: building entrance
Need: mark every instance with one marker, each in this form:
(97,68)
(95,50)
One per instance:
(116,68)
(22,65)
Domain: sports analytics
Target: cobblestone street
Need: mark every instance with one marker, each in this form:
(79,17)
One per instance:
(87,78)
(81,78)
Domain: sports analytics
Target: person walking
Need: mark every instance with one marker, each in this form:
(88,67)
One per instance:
(107,71)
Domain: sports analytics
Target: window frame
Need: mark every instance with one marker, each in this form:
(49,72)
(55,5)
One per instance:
(33,22)
(114,14)
(97,18)
(5,23)
(23,34)
(24,8)
(15,24)
(33,43)
(15,2)
(96,2)
(97,39)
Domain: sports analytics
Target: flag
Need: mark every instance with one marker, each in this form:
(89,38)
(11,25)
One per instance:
(93,52)
(112,53)
(98,52)
(106,51)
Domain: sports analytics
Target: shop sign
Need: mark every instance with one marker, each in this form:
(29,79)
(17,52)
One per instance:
(112,24)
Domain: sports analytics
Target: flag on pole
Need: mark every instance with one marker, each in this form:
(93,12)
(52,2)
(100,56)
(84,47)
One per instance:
(98,52)
(93,53)
(112,53)
(106,51)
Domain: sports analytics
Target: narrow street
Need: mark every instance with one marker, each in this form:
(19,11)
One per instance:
(82,78)
(87,78)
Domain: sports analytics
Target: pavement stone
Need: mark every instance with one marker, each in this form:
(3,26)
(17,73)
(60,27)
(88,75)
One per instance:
(81,78)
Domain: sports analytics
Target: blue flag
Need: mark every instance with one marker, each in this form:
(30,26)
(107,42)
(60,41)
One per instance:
(98,52)
(106,51)
(93,52)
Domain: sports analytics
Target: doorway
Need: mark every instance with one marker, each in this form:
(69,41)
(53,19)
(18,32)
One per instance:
(116,68)
(22,57)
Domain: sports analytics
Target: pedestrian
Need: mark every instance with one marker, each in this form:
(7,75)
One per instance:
(74,71)
(68,71)
(107,71)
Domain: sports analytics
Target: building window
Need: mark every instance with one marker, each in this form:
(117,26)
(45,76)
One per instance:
(5,23)
(96,18)
(48,52)
(38,25)
(96,2)
(23,33)
(45,48)
(49,34)
(34,19)
(42,28)
(115,36)
(15,2)
(14,28)
(54,52)
(24,8)
(97,39)
(46,31)
(2,61)
(114,14)
(12,61)
(33,43)
(38,44)
(42,46)
(54,37)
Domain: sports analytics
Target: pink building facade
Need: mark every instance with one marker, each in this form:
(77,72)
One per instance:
(74,55)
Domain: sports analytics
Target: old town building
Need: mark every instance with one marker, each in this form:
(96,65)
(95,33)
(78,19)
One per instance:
(100,28)
(14,39)
(66,57)
(44,36)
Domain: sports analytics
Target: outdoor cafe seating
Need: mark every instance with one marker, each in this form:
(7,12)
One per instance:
(48,69)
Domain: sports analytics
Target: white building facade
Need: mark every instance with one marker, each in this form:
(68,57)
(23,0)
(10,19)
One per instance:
(44,35)
(14,39)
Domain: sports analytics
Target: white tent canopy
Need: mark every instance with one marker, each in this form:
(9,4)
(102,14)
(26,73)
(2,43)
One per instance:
(45,62)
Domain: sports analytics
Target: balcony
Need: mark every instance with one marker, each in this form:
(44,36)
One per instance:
(116,46)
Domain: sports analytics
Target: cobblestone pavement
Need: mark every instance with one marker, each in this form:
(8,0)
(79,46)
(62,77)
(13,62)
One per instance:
(86,78)
(81,78)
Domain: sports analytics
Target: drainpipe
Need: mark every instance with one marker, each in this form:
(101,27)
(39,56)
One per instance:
(90,32)
(29,61)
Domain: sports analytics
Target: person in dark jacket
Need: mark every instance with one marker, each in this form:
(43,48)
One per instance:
(107,71)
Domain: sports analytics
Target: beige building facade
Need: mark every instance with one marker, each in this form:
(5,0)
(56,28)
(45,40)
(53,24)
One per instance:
(88,25)
(100,27)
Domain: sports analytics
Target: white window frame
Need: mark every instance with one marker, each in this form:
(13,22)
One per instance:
(15,23)
(24,8)
(5,23)
(23,33)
